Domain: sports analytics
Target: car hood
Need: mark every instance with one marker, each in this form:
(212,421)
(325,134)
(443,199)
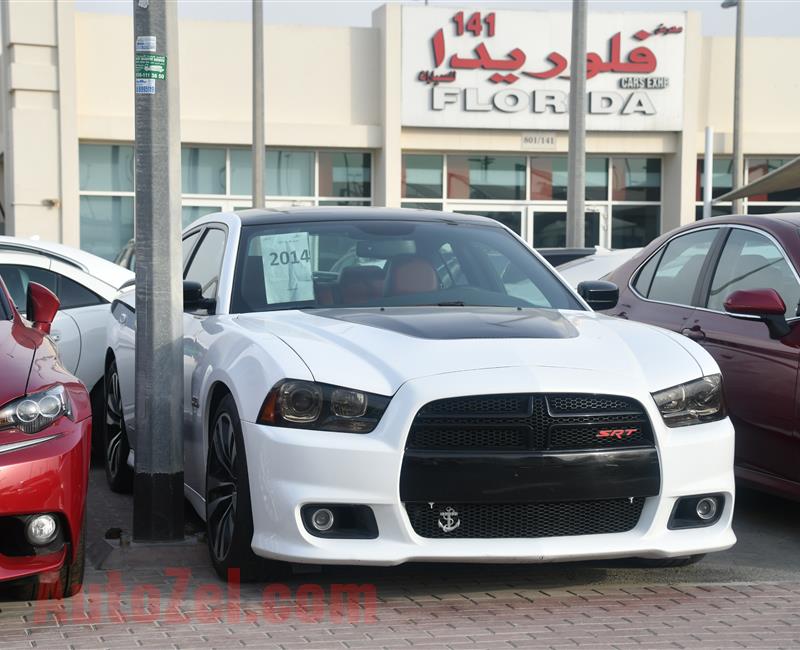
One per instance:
(17,348)
(378,350)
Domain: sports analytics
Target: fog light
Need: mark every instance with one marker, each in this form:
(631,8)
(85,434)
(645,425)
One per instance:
(322,519)
(706,508)
(41,530)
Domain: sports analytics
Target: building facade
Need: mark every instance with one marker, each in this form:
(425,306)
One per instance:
(437,107)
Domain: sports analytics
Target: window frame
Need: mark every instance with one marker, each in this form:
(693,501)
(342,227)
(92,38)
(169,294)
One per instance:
(206,228)
(709,276)
(712,256)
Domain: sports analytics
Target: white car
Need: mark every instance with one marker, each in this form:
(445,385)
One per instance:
(595,266)
(85,285)
(419,409)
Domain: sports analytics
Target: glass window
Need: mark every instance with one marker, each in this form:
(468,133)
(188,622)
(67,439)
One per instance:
(190,213)
(550,229)
(106,224)
(485,177)
(422,176)
(636,179)
(771,208)
(758,167)
(722,177)
(202,170)
(716,211)
(752,261)
(511,219)
(634,225)
(422,206)
(645,277)
(73,295)
(401,263)
(17,279)
(188,243)
(350,203)
(678,270)
(106,167)
(549,178)
(286,172)
(207,262)
(344,174)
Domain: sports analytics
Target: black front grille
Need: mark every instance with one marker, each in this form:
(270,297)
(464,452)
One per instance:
(509,520)
(537,422)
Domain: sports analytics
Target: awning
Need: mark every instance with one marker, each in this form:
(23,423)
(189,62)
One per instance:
(783,178)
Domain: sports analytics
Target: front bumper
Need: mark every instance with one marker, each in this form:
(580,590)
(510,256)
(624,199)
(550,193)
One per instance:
(50,477)
(290,467)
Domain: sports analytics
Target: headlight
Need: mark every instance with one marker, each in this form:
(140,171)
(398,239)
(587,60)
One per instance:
(694,402)
(34,412)
(310,405)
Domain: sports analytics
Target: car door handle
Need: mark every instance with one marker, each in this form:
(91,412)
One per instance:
(56,336)
(694,333)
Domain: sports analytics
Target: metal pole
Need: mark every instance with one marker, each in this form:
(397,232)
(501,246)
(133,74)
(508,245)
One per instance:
(158,485)
(708,173)
(576,172)
(258,104)
(738,119)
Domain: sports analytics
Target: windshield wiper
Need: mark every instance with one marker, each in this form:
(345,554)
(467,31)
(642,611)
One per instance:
(447,303)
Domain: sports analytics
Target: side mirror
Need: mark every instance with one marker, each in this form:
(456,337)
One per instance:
(42,306)
(193,299)
(764,304)
(599,294)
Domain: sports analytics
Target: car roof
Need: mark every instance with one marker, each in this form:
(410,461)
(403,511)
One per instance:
(258,217)
(101,269)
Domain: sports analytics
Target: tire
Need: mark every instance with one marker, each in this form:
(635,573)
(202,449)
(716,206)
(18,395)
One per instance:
(115,439)
(229,516)
(97,397)
(670,562)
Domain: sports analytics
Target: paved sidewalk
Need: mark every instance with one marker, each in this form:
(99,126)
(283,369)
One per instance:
(170,598)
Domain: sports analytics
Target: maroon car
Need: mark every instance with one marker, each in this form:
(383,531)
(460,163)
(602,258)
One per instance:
(731,284)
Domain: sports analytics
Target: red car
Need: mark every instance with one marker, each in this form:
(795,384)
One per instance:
(45,440)
(732,285)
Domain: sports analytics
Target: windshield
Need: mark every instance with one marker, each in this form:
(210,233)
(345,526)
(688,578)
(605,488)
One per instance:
(389,264)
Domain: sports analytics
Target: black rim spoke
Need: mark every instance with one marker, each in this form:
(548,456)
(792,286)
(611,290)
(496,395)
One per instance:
(114,424)
(221,487)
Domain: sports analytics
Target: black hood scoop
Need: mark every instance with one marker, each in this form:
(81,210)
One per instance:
(445,323)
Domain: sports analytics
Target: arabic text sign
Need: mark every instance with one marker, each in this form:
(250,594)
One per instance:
(510,69)
(288,273)
(150,66)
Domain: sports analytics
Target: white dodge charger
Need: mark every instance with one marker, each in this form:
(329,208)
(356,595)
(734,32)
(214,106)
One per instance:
(377,386)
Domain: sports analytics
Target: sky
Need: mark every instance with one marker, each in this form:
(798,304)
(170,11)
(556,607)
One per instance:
(762,17)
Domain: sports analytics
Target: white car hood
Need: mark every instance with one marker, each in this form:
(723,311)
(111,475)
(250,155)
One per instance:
(378,351)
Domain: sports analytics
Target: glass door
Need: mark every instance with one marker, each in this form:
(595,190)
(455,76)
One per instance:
(508,215)
(546,226)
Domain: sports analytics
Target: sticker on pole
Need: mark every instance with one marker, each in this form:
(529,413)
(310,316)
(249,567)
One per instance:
(145,86)
(287,267)
(145,43)
(150,66)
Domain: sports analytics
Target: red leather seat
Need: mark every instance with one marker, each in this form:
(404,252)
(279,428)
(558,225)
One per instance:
(410,274)
(360,284)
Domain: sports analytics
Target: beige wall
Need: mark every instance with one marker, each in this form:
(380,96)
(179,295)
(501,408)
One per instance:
(328,81)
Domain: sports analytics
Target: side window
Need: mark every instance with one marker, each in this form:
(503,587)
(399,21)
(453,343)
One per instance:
(645,278)
(752,261)
(207,262)
(188,245)
(72,295)
(675,278)
(17,278)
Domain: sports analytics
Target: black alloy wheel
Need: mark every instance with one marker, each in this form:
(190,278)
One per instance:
(229,518)
(115,439)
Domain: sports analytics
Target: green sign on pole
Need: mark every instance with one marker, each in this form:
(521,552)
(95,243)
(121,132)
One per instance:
(151,66)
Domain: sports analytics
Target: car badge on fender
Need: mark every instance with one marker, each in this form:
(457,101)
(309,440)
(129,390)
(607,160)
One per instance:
(448,520)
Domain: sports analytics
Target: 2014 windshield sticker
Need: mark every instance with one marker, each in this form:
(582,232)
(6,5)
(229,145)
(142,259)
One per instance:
(288,273)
